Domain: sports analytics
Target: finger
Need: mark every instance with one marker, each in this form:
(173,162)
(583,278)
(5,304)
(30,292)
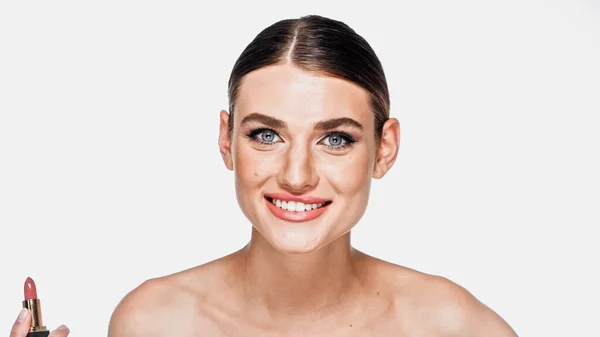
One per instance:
(21,326)
(61,331)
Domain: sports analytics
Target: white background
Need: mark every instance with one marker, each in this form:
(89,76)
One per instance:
(110,172)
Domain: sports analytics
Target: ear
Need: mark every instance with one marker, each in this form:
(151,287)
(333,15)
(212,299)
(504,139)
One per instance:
(388,148)
(225,140)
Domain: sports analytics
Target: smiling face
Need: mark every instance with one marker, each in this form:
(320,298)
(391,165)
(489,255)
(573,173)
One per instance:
(303,150)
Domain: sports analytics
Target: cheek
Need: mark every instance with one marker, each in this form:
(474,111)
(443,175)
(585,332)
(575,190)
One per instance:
(349,174)
(252,167)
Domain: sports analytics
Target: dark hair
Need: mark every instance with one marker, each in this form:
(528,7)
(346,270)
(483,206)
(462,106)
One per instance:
(316,44)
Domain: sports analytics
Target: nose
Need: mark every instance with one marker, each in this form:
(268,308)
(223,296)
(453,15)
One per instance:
(298,173)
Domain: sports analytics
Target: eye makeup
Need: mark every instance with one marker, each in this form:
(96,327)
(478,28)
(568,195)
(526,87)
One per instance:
(334,140)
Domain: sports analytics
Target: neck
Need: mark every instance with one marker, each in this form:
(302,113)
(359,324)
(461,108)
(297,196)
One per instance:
(300,284)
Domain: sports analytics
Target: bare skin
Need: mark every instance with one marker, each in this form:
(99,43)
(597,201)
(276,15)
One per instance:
(303,278)
(385,300)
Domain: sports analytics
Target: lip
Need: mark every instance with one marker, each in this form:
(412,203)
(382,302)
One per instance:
(290,216)
(305,199)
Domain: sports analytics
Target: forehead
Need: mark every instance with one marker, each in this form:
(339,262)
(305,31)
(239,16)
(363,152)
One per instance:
(289,93)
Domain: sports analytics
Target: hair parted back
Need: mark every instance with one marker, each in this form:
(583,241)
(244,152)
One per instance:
(321,45)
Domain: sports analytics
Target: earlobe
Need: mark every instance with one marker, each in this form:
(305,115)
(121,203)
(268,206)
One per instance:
(388,148)
(225,140)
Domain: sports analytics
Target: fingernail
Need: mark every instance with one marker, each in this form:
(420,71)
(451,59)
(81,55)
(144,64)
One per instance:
(22,316)
(62,327)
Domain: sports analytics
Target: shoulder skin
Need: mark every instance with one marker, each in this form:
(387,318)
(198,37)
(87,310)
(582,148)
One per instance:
(157,308)
(451,310)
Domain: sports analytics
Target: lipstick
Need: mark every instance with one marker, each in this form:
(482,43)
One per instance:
(33,304)
(311,207)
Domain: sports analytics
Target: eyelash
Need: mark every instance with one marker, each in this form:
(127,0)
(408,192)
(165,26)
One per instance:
(348,140)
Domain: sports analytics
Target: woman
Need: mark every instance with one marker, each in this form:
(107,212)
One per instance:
(308,128)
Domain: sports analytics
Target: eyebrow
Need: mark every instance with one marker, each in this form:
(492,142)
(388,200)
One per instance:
(336,123)
(264,119)
(325,125)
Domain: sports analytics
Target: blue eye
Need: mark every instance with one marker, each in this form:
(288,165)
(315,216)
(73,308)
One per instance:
(333,140)
(265,136)
(337,140)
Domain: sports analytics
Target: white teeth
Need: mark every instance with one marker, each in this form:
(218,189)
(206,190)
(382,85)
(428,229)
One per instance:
(293,206)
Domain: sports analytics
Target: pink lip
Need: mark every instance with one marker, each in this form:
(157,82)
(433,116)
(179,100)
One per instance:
(305,199)
(286,215)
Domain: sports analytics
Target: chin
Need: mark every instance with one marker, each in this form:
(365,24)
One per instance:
(295,240)
(289,234)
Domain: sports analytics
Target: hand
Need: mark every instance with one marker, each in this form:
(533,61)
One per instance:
(23,322)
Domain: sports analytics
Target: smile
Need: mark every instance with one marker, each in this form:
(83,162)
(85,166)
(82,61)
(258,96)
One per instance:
(294,206)
(297,210)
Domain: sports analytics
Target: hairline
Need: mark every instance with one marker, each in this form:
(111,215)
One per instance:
(237,87)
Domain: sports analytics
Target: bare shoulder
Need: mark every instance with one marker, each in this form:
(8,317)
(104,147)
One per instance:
(173,305)
(440,307)
(144,310)
(454,311)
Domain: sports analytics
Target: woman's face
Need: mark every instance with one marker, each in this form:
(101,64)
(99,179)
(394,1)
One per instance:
(304,152)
